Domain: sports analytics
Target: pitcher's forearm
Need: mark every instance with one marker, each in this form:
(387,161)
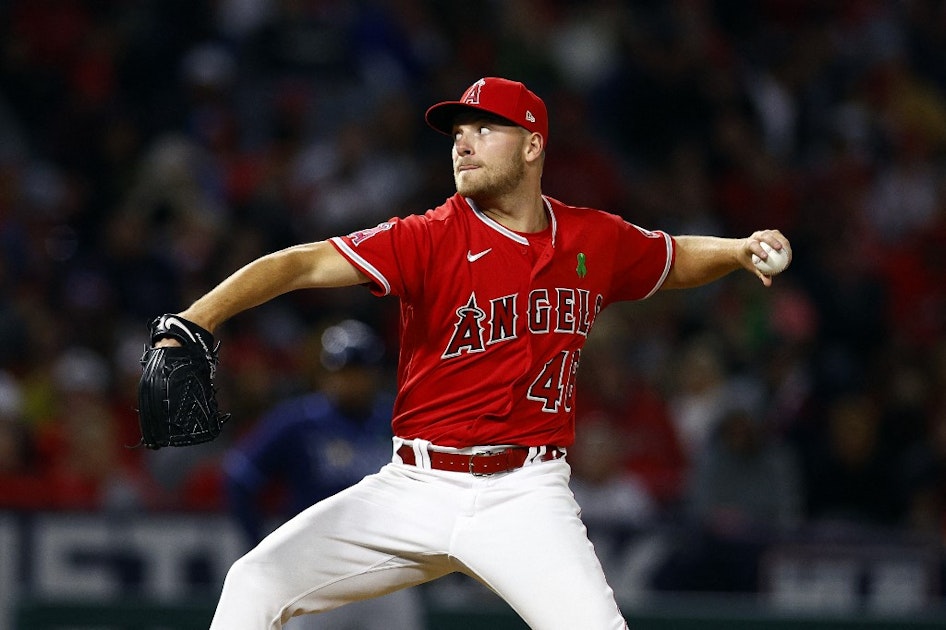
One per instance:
(699,260)
(312,265)
(703,259)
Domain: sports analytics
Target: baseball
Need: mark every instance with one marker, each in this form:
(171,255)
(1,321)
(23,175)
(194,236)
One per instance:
(776,262)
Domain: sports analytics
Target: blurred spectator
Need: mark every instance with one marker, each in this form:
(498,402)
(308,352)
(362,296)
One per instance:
(177,195)
(745,492)
(924,481)
(851,473)
(748,178)
(924,461)
(700,394)
(619,380)
(616,505)
(21,479)
(746,485)
(364,172)
(914,274)
(609,495)
(86,467)
(579,169)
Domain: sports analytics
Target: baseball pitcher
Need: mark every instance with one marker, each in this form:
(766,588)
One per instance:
(499,287)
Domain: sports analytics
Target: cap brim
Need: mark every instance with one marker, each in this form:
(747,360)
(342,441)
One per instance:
(442,115)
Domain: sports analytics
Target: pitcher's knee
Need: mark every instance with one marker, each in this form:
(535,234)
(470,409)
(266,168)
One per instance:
(251,598)
(250,578)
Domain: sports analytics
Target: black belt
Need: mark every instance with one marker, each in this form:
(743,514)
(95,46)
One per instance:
(487,462)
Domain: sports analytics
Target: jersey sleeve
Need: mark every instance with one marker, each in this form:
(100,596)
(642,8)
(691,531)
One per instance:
(393,254)
(642,261)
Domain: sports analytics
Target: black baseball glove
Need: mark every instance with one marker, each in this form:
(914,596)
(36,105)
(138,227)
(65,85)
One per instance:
(177,399)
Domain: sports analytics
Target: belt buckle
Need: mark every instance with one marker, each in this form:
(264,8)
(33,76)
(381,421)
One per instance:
(486,452)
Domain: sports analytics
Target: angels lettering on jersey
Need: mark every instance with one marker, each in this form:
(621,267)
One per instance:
(559,311)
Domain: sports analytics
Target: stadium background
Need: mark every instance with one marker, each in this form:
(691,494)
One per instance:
(148,148)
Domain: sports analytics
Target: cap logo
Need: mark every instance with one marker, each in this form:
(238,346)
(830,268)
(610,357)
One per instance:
(472,96)
(529,116)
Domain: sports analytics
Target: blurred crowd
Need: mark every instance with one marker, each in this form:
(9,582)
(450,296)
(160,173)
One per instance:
(150,148)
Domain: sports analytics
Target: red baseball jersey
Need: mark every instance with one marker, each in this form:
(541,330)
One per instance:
(493,321)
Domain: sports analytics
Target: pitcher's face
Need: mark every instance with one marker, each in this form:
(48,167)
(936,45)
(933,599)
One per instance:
(488,157)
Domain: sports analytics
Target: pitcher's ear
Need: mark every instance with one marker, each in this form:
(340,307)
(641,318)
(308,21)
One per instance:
(536,145)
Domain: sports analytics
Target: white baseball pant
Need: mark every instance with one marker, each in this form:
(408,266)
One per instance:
(519,533)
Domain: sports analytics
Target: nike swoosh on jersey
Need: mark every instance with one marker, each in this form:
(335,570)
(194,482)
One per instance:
(470,256)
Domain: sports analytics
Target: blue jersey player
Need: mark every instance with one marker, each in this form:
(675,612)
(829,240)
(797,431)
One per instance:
(319,443)
(316,445)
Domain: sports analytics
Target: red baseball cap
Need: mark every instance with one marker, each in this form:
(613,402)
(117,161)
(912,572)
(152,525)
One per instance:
(504,98)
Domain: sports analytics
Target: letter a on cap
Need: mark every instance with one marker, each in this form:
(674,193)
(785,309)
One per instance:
(472,96)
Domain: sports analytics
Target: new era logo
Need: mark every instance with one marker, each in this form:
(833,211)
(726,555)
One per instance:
(529,116)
